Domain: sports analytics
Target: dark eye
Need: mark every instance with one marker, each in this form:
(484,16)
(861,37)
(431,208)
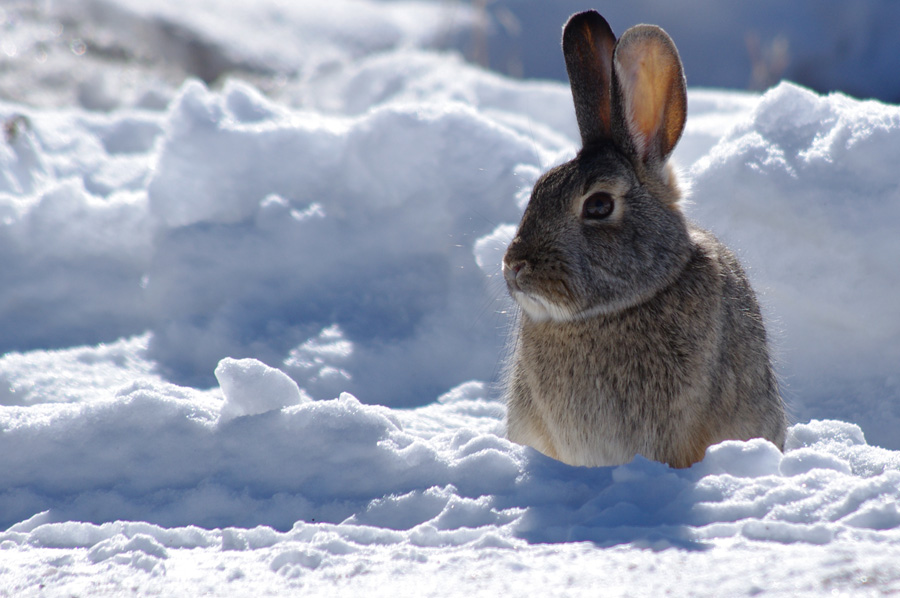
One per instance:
(597,206)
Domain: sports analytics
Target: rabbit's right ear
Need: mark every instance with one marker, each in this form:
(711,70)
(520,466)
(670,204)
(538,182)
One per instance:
(588,44)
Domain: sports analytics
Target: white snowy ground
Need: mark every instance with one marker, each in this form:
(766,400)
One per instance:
(347,230)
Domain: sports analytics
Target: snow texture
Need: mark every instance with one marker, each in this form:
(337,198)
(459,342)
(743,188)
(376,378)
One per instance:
(253,330)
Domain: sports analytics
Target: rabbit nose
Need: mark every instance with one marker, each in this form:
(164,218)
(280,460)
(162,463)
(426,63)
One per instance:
(511,270)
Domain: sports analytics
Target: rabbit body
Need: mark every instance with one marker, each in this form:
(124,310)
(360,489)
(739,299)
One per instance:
(639,332)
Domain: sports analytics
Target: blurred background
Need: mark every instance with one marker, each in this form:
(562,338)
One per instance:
(100,54)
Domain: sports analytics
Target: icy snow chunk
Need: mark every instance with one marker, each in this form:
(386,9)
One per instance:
(468,410)
(249,539)
(251,387)
(542,110)
(69,221)
(487,471)
(745,459)
(128,133)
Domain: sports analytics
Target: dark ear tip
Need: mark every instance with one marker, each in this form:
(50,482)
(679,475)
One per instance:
(584,15)
(582,23)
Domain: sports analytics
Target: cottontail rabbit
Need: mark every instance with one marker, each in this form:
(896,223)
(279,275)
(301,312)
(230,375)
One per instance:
(639,332)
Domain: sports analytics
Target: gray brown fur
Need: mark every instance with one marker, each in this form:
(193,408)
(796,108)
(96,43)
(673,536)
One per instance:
(639,333)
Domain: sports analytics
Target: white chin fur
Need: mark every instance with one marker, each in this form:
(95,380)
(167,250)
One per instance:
(540,309)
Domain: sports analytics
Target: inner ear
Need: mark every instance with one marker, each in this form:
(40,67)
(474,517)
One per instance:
(649,91)
(588,44)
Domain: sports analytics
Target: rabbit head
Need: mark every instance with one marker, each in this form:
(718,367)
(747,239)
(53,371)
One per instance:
(604,231)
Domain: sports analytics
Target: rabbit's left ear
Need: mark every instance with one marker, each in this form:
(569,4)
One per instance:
(650,94)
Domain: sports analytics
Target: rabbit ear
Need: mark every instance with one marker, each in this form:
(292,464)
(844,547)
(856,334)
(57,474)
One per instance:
(588,44)
(650,95)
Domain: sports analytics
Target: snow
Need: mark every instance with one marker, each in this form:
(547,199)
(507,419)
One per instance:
(814,206)
(251,387)
(253,330)
(394,498)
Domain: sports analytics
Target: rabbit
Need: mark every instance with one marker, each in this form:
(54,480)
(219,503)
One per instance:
(638,332)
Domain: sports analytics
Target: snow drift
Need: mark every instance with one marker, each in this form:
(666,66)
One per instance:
(352,251)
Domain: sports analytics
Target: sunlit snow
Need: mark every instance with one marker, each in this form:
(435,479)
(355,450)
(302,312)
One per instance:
(253,329)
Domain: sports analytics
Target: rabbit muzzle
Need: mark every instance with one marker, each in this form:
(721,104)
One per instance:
(516,275)
(529,296)
(511,272)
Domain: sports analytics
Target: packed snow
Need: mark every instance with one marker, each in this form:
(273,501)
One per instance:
(254,328)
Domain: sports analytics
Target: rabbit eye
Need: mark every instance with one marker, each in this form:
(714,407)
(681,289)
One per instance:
(597,206)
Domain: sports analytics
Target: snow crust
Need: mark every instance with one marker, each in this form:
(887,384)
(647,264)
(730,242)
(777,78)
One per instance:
(251,341)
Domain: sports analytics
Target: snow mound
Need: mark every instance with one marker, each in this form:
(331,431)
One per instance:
(359,469)
(805,189)
(295,223)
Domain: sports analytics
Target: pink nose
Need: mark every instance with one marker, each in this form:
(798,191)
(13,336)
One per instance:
(511,271)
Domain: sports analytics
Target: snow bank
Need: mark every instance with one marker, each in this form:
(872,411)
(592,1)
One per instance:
(249,230)
(806,189)
(360,253)
(361,471)
(295,224)
(154,489)
(352,465)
